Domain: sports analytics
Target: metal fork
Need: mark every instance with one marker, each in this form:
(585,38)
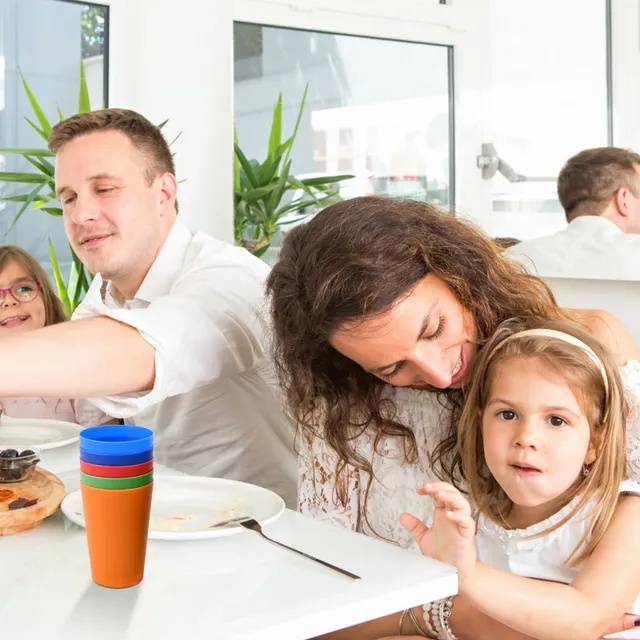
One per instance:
(254,525)
(227,523)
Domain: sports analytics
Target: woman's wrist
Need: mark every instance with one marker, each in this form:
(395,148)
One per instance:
(461,618)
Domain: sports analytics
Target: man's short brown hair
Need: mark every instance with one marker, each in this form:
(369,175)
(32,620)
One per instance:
(144,135)
(590,179)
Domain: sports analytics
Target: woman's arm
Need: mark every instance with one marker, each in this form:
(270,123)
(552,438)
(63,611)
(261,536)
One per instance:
(583,609)
(466,622)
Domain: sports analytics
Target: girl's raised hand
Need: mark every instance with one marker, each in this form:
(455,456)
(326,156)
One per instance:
(450,538)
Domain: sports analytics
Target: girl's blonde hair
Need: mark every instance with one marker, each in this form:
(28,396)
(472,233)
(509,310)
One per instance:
(601,399)
(53,307)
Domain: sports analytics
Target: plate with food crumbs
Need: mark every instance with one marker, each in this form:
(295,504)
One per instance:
(188,507)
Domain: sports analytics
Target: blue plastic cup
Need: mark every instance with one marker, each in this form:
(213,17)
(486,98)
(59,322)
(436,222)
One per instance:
(116,440)
(116,460)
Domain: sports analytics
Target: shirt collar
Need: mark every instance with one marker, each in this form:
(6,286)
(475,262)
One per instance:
(165,268)
(594,223)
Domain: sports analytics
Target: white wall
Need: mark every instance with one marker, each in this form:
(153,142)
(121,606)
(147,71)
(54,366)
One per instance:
(173,60)
(626,74)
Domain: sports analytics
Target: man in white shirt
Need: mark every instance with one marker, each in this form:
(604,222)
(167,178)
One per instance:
(169,335)
(599,190)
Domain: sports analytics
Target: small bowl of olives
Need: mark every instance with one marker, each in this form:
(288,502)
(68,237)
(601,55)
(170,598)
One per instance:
(17,463)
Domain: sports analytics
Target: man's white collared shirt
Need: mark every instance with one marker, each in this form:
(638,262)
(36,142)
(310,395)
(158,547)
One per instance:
(215,406)
(590,247)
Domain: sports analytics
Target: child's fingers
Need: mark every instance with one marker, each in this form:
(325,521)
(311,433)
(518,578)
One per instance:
(452,501)
(414,526)
(466,524)
(431,488)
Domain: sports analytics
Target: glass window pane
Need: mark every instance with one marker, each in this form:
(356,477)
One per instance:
(45,40)
(376,109)
(549,101)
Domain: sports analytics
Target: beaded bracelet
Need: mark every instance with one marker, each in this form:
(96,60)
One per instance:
(444,613)
(416,625)
(429,619)
(434,611)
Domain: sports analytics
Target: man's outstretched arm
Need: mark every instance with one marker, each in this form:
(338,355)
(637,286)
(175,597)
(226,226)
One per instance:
(93,357)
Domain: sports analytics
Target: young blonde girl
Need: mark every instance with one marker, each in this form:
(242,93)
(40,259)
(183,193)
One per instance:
(28,302)
(542,441)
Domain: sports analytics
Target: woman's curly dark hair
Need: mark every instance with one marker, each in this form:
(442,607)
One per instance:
(359,257)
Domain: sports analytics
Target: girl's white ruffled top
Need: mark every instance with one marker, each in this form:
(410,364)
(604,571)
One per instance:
(374,505)
(517,551)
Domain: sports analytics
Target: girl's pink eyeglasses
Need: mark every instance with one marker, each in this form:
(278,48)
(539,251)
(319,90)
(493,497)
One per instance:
(23,291)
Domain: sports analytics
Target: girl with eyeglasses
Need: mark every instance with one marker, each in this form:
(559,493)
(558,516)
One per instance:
(28,302)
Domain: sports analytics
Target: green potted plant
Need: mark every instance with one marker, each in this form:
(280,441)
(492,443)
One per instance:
(40,193)
(266,194)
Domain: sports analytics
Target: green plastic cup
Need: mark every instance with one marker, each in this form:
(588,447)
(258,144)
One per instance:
(116,483)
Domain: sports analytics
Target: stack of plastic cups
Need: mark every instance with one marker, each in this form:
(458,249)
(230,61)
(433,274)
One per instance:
(116,480)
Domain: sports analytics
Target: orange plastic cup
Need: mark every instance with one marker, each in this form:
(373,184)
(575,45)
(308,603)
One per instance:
(117,525)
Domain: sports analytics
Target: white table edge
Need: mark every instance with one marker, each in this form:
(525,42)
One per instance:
(345,617)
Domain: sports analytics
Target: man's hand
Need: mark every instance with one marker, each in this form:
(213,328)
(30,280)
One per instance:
(450,538)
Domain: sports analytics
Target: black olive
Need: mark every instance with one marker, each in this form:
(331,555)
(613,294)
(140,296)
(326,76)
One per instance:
(26,452)
(8,453)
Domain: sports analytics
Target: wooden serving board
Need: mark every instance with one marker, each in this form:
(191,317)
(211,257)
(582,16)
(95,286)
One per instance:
(43,485)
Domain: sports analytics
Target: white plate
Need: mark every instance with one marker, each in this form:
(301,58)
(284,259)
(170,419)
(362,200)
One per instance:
(44,434)
(185,507)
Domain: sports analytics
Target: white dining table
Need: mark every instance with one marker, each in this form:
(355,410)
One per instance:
(237,587)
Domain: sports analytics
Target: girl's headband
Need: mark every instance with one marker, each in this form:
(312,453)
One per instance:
(565,337)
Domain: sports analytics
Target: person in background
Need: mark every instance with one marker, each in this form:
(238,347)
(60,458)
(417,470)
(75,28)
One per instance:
(169,335)
(599,190)
(28,302)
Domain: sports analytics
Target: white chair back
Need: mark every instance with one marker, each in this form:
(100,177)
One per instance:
(619,297)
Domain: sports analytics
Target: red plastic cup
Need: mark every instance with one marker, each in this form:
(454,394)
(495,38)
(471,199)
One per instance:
(126,471)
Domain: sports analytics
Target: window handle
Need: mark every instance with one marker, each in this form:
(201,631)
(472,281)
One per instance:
(490,163)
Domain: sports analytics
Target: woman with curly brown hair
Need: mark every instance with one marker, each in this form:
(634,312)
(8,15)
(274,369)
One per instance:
(379,308)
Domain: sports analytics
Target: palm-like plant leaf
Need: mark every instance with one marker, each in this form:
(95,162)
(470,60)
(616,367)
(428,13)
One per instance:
(44,153)
(60,284)
(22,177)
(42,195)
(42,164)
(260,189)
(53,211)
(45,126)
(275,135)
(38,130)
(84,104)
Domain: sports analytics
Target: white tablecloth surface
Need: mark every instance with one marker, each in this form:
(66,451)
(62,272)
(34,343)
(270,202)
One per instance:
(234,588)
